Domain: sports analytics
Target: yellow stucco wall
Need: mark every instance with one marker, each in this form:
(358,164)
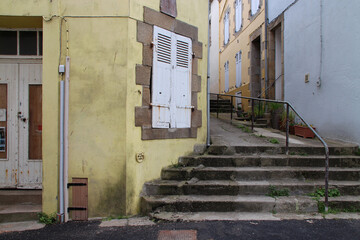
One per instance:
(238,42)
(103,95)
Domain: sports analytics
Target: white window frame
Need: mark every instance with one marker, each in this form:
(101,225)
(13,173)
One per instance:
(171,81)
(238,15)
(255,6)
(226,83)
(227,27)
(238,69)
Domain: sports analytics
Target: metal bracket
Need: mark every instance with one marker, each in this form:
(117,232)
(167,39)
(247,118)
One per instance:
(75,184)
(76,209)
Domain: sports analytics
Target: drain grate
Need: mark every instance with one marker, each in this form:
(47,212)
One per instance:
(177,235)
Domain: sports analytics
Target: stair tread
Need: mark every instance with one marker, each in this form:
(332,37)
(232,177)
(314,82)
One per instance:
(220,198)
(242,198)
(272,156)
(288,182)
(20,192)
(260,169)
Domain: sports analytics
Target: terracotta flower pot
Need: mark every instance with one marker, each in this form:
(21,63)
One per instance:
(304,132)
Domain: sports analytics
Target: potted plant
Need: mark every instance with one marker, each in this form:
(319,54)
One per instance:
(302,130)
(291,122)
(276,110)
(239,111)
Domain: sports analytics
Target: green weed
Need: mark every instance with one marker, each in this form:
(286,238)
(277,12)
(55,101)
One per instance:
(274,192)
(274,140)
(47,219)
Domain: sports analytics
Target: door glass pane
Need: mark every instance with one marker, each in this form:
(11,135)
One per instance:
(8,43)
(28,43)
(35,122)
(3,120)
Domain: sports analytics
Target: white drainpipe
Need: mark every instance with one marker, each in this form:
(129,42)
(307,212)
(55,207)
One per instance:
(61,172)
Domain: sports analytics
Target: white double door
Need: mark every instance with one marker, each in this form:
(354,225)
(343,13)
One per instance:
(21,125)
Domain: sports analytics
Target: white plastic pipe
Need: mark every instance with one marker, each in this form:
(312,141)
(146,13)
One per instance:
(66,136)
(61,164)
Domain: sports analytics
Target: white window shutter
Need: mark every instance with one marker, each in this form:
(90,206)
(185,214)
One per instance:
(238,69)
(226,28)
(238,15)
(182,83)
(226,76)
(255,4)
(161,83)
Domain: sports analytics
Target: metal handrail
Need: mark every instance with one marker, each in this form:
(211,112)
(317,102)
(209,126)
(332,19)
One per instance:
(288,106)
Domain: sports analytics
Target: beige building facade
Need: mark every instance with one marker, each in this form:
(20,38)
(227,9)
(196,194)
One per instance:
(242,49)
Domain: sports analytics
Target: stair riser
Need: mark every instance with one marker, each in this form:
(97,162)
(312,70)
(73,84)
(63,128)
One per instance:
(260,162)
(18,217)
(259,175)
(290,207)
(260,190)
(20,199)
(220,150)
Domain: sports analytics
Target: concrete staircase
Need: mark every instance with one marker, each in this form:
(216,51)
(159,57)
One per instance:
(223,105)
(237,179)
(19,205)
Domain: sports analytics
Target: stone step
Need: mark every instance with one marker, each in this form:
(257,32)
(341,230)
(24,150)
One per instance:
(12,197)
(228,187)
(19,212)
(238,160)
(259,173)
(293,150)
(225,203)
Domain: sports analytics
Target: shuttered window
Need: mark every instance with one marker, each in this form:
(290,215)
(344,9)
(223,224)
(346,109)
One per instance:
(238,15)
(255,5)
(226,66)
(171,88)
(238,69)
(226,28)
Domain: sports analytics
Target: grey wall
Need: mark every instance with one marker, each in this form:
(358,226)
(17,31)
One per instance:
(334,107)
(276,7)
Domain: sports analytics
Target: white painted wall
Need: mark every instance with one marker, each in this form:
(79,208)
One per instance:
(276,7)
(214,48)
(334,107)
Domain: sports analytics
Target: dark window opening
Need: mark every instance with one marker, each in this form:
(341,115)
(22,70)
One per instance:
(28,43)
(40,43)
(8,43)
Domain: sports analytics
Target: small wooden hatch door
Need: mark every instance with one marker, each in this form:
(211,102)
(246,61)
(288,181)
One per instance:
(79,199)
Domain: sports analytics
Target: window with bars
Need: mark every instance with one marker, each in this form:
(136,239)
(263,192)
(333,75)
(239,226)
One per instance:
(21,42)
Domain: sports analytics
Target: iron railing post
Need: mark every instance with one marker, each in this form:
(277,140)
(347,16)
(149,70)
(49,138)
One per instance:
(217,106)
(231,108)
(326,179)
(252,114)
(287,129)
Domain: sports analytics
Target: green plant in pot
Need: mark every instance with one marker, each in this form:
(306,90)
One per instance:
(239,111)
(291,122)
(276,110)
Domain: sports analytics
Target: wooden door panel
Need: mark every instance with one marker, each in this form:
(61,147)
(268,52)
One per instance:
(35,122)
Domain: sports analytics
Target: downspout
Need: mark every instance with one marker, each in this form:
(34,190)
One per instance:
(66,136)
(208,82)
(266,51)
(61,171)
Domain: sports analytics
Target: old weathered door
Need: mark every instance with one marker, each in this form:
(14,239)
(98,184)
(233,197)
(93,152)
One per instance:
(20,125)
